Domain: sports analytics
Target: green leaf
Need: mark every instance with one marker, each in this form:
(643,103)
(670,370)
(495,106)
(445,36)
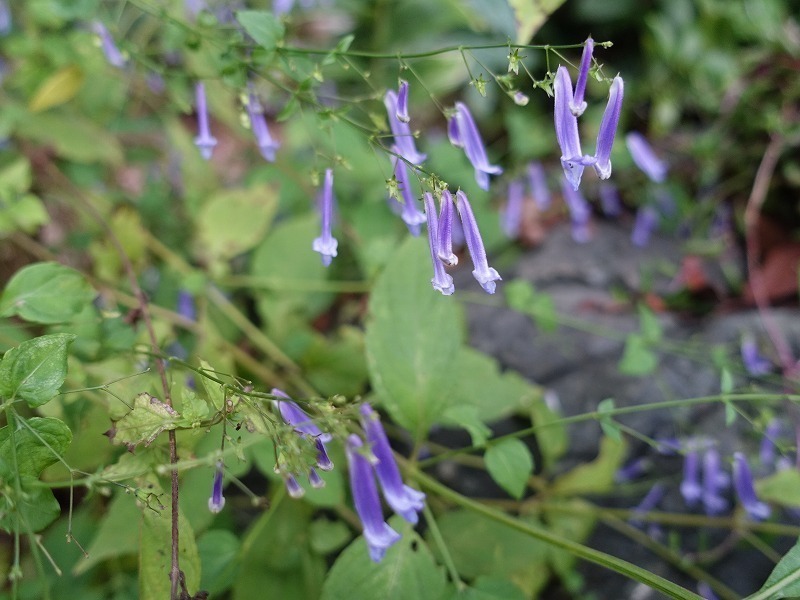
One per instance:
(781,488)
(46,292)
(35,370)
(214,391)
(552,439)
(522,296)
(413,336)
(155,550)
(72,136)
(193,407)
(490,588)
(263,26)
(57,89)
(25,213)
(650,325)
(510,464)
(466,417)
(148,418)
(593,477)
(15,178)
(118,534)
(233,221)
(218,550)
(784,581)
(328,536)
(407,571)
(637,358)
(607,424)
(530,15)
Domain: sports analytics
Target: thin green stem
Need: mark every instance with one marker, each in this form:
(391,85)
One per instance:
(449,564)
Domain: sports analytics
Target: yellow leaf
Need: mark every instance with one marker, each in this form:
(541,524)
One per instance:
(57,89)
(531,15)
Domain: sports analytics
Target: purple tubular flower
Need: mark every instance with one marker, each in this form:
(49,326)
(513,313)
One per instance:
(704,590)
(258,123)
(441,281)
(577,105)
(281,7)
(644,157)
(402,103)
(326,244)
(572,159)
(444,232)
(185,306)
(609,200)
(632,470)
(714,482)
(483,273)
(537,181)
(204,141)
(646,222)
(410,214)
(403,138)
(293,487)
(768,447)
(217,501)
(463,129)
(511,214)
(404,500)
(6,22)
(315,480)
(754,362)
(743,483)
(295,416)
(110,50)
(377,533)
(608,129)
(648,503)
(579,213)
(690,485)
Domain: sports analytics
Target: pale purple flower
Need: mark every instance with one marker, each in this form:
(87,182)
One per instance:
(754,362)
(579,213)
(715,481)
(281,7)
(609,200)
(608,129)
(743,483)
(217,501)
(302,423)
(293,487)
(403,138)
(258,123)
(646,222)
(537,182)
(194,7)
(520,99)
(402,102)
(463,133)
(404,500)
(315,480)
(441,281)
(444,232)
(632,470)
(644,157)
(573,160)
(704,590)
(409,212)
(511,213)
(113,55)
(577,105)
(204,141)
(648,503)
(691,490)
(768,447)
(6,21)
(185,306)
(483,273)
(326,244)
(377,533)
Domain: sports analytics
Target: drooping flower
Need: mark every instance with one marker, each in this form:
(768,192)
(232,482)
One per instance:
(646,222)
(6,22)
(715,481)
(752,359)
(404,500)
(441,280)
(258,123)
(632,470)
(743,484)
(463,133)
(204,141)
(314,479)
(444,236)
(326,244)
(705,591)
(648,503)
(573,160)
(217,501)
(113,55)
(377,533)
(608,129)
(409,212)
(302,423)
(511,213)
(185,305)
(609,200)
(644,157)
(402,102)
(537,182)
(579,213)
(520,99)
(577,105)
(768,447)
(293,487)
(691,490)
(403,138)
(483,273)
